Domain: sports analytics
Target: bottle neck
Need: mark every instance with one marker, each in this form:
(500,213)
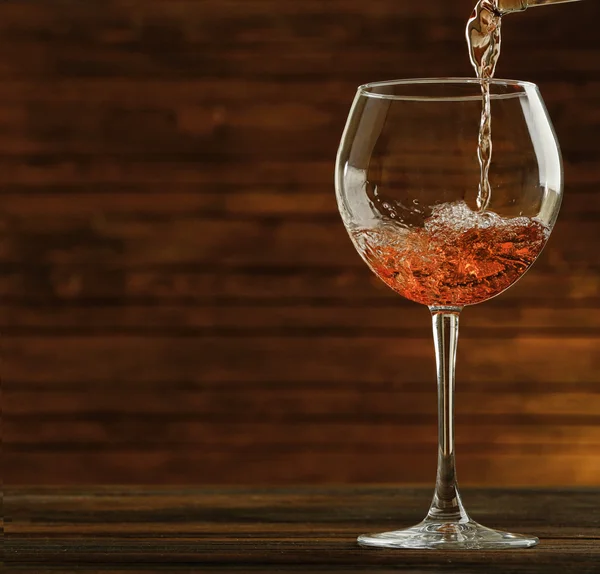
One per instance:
(508,6)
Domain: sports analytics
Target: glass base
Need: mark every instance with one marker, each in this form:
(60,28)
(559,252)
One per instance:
(430,534)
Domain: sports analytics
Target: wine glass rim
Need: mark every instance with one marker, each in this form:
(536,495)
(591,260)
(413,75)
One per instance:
(366,89)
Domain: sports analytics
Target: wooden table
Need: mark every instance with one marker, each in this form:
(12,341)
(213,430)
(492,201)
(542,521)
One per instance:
(135,530)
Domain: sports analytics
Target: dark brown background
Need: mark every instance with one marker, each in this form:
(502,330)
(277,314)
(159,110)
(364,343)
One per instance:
(179,300)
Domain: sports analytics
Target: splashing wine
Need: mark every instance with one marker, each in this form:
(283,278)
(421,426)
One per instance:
(460,256)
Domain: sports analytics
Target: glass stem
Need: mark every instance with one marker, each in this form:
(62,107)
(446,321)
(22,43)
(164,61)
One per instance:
(446,505)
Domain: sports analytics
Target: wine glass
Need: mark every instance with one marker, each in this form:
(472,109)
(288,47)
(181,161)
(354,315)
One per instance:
(407,184)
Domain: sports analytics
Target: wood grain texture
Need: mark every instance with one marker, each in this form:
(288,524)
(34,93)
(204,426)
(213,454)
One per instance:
(178,298)
(284,530)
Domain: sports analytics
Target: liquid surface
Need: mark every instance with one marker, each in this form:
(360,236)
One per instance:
(460,256)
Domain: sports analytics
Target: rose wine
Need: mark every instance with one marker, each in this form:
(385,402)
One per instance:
(459,257)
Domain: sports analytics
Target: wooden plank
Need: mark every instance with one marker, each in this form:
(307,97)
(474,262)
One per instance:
(181,92)
(141,360)
(290,467)
(81,170)
(38,15)
(225,201)
(191,509)
(164,466)
(279,130)
(207,170)
(306,58)
(79,429)
(148,201)
(193,506)
(297,403)
(344,318)
(36,568)
(174,568)
(574,287)
(198,240)
(124,569)
(199,131)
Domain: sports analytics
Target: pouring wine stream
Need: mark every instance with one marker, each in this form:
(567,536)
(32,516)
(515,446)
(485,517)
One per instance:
(484,39)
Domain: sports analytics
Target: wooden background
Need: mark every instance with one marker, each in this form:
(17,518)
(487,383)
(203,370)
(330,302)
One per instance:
(179,300)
